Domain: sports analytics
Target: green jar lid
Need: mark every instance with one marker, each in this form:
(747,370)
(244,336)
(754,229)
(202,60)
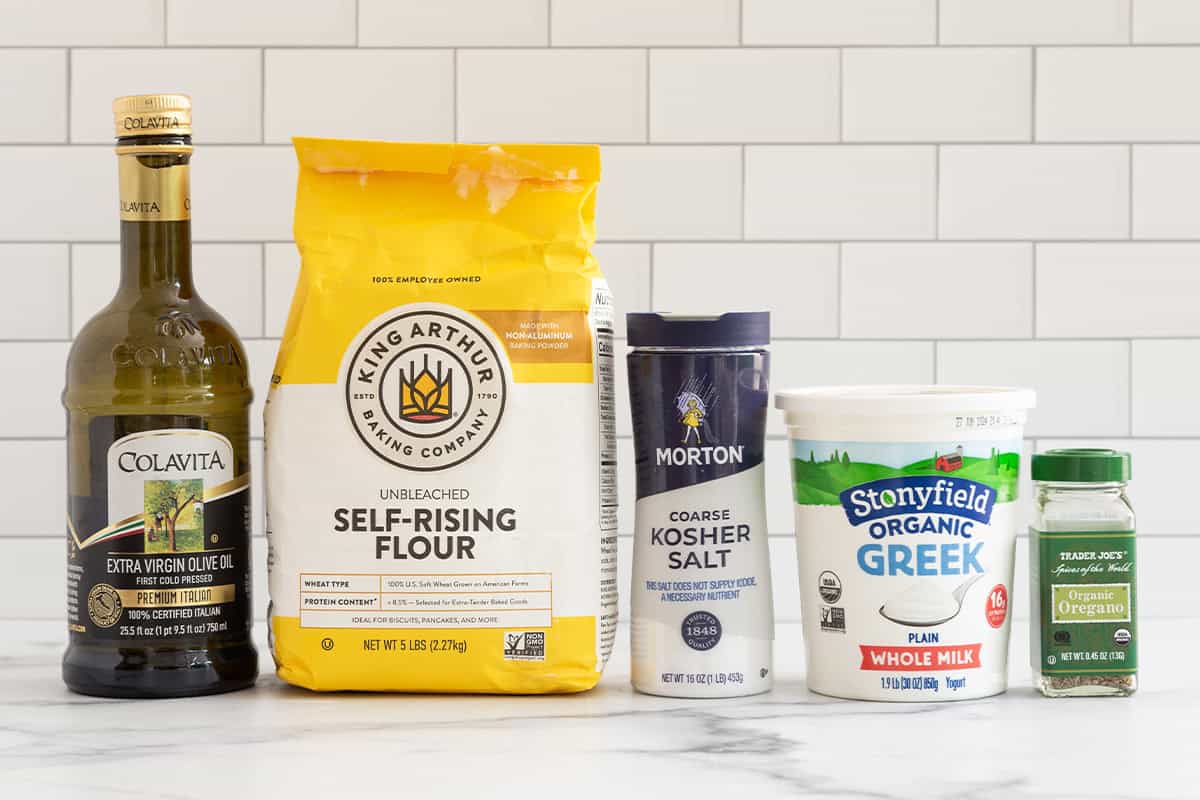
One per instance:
(1082,465)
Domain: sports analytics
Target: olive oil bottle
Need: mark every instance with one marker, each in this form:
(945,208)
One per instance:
(157,399)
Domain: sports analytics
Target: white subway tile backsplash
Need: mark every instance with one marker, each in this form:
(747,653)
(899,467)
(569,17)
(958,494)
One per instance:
(930,94)
(452,23)
(717,95)
(38,301)
(797,283)
(359,94)
(281,265)
(262,22)
(797,364)
(1166,192)
(37,509)
(552,95)
(33,94)
(227,276)
(224,84)
(33,404)
(230,278)
(242,193)
(1166,22)
(58,194)
(820,192)
(1034,192)
(261,355)
(1163,480)
(1035,21)
(1107,94)
(644,22)
(851,22)
(1118,290)
(627,269)
(1166,387)
(927,291)
(1082,386)
(81,23)
(666,193)
(95,274)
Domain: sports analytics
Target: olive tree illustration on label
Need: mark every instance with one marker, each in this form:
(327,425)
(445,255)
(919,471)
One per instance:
(425,390)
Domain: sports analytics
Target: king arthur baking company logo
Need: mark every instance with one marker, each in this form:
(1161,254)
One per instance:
(425,390)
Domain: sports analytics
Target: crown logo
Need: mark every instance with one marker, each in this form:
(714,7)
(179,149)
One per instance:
(424,395)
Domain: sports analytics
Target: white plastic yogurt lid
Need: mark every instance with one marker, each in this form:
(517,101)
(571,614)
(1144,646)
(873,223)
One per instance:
(880,401)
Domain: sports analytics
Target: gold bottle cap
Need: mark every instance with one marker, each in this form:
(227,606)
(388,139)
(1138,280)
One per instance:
(153,115)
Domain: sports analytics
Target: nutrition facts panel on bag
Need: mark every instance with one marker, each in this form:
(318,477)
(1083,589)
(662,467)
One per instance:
(359,600)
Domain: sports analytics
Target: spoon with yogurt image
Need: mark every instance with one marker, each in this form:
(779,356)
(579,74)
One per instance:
(925,604)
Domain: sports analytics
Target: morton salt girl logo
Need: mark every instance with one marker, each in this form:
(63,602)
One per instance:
(693,406)
(425,390)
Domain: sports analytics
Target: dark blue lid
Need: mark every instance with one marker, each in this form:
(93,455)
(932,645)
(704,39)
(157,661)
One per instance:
(731,329)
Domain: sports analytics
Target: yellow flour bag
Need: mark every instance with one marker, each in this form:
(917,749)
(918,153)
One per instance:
(440,458)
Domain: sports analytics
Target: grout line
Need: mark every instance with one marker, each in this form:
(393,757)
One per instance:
(1034,294)
(67,132)
(834,339)
(1130,20)
(263,281)
(646,99)
(454,96)
(1129,180)
(664,46)
(549,23)
(937,192)
(357,8)
(1012,144)
(935,361)
(741,20)
(841,296)
(652,303)
(744,155)
(841,97)
(937,22)
(1033,93)
(262,95)
(719,242)
(71,290)
(166,6)
(1130,388)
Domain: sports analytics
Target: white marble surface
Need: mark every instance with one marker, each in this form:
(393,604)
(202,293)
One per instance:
(278,742)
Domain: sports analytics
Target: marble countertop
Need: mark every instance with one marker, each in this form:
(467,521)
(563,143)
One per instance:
(279,742)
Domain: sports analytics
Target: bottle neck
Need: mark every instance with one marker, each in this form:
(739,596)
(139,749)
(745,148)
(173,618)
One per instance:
(156,228)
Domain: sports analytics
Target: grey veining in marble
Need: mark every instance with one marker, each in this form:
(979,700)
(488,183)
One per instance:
(279,742)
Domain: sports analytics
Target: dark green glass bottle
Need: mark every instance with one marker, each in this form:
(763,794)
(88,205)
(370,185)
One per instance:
(158,458)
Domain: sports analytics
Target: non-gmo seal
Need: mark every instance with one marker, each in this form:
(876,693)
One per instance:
(425,390)
(701,630)
(104,605)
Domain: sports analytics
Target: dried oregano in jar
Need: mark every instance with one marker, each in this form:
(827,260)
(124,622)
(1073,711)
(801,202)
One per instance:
(1084,575)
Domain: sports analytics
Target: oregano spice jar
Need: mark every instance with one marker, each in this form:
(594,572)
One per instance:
(1083,586)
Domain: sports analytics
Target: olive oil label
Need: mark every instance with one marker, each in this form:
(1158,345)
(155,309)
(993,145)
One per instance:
(167,554)
(1086,583)
(153,193)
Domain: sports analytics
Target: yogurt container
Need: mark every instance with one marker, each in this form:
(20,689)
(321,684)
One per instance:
(906,515)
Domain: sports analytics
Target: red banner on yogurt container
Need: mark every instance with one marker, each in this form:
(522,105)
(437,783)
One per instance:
(919,659)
